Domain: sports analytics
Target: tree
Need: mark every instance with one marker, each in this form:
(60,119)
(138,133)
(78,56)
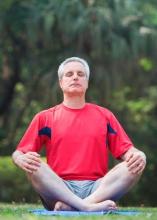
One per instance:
(118,39)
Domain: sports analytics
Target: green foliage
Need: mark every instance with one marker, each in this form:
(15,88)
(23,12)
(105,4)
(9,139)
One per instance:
(138,118)
(14,184)
(146,64)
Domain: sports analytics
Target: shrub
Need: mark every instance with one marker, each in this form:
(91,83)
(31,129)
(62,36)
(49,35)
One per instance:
(14,184)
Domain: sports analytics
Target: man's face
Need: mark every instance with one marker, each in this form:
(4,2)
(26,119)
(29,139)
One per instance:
(74,80)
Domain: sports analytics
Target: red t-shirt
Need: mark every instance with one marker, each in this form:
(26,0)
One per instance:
(76,140)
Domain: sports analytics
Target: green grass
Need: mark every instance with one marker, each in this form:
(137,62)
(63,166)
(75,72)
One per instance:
(21,212)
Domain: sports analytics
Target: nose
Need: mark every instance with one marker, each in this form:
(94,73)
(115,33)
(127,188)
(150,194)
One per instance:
(75,76)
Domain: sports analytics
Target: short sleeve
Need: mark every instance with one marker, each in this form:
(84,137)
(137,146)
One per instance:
(32,140)
(117,139)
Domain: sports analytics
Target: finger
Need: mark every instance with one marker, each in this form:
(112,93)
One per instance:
(138,169)
(24,166)
(129,156)
(138,162)
(32,161)
(134,165)
(34,154)
(35,163)
(30,167)
(137,156)
(133,160)
(27,170)
(33,158)
(142,166)
(141,170)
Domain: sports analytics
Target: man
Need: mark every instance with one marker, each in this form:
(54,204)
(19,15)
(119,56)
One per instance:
(77,136)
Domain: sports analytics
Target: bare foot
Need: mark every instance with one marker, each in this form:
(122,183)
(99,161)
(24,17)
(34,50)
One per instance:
(102,206)
(61,206)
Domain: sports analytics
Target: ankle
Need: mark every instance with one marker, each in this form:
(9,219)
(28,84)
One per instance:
(85,206)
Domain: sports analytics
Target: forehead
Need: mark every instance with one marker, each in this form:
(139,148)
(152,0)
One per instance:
(73,66)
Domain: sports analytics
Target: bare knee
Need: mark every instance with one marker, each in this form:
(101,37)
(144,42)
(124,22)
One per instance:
(38,177)
(42,170)
(126,173)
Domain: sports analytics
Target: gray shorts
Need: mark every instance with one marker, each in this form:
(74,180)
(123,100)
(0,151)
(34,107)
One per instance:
(80,188)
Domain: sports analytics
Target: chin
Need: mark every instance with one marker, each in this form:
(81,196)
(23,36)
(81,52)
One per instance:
(76,92)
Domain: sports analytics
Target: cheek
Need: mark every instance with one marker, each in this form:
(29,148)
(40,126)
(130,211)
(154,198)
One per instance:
(62,84)
(86,85)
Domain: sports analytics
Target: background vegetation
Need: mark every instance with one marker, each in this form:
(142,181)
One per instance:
(116,37)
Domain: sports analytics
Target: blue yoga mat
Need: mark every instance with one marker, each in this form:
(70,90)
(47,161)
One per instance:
(79,213)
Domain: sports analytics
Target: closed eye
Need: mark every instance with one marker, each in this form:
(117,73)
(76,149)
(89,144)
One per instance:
(81,74)
(70,73)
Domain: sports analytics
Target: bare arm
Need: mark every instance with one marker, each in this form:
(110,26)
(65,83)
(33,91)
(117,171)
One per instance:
(136,160)
(28,162)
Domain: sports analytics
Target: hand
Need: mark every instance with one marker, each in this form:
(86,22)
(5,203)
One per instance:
(136,161)
(29,161)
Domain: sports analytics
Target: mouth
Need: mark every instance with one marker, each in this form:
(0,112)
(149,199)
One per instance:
(75,84)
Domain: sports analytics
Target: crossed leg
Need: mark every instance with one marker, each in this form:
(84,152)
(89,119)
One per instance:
(117,182)
(112,186)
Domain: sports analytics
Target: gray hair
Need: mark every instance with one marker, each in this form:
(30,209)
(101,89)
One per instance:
(73,59)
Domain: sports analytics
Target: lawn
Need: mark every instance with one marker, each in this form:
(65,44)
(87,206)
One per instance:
(21,212)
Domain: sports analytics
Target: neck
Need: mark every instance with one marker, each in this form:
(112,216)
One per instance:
(74,102)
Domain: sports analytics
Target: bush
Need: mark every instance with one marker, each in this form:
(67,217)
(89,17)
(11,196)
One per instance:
(14,184)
